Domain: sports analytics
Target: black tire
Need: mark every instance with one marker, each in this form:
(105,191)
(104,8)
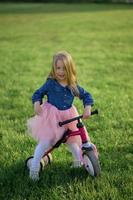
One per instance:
(91,163)
(26,162)
(46,160)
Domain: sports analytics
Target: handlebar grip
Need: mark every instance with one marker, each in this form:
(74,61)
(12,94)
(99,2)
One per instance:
(76,118)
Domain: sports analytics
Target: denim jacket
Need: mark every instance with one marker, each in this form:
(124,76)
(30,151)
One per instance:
(59,96)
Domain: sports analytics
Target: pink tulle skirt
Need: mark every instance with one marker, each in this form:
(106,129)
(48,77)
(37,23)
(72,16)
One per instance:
(46,126)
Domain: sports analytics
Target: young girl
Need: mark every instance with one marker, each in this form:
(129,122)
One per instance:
(60,89)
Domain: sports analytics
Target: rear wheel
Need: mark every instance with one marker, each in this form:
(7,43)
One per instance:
(91,163)
(44,161)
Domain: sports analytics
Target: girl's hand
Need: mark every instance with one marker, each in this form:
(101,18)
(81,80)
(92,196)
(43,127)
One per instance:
(37,108)
(87,112)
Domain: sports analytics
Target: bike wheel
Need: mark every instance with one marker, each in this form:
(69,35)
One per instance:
(46,160)
(91,163)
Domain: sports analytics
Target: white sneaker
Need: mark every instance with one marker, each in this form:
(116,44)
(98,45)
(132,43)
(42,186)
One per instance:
(29,163)
(77,164)
(34,175)
(87,145)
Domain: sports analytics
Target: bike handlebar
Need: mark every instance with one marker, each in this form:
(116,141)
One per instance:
(76,118)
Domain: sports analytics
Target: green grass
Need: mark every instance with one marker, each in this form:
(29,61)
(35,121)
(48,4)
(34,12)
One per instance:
(100,39)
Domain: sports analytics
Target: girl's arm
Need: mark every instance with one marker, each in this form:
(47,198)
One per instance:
(39,93)
(85,97)
(87,101)
(87,112)
(37,108)
(38,96)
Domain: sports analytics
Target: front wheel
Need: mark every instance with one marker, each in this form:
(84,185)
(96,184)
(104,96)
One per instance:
(91,163)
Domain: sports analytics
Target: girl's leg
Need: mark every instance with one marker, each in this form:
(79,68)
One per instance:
(86,143)
(40,149)
(76,152)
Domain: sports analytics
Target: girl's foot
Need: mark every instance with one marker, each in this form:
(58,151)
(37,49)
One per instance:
(77,164)
(86,145)
(34,175)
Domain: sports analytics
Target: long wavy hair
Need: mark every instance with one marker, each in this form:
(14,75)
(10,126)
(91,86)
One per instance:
(70,69)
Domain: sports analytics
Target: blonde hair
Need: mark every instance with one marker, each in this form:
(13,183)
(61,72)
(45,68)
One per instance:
(69,65)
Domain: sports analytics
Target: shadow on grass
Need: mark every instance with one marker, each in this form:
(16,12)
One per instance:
(15,180)
(29,8)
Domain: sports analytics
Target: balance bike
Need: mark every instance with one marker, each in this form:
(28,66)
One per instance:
(89,156)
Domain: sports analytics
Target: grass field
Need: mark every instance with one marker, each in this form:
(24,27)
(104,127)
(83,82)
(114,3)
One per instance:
(100,39)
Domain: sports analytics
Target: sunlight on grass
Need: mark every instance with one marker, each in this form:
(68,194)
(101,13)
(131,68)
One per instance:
(99,37)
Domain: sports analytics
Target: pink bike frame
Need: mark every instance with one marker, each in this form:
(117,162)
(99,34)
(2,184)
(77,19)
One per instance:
(69,133)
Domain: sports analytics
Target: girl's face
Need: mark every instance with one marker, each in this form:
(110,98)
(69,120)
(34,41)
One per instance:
(60,71)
